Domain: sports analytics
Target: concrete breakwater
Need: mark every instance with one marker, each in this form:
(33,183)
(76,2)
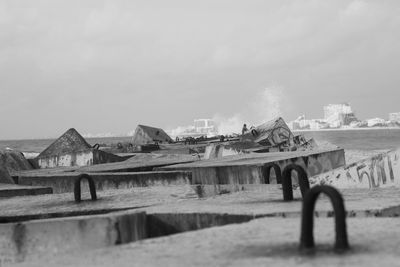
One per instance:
(148,196)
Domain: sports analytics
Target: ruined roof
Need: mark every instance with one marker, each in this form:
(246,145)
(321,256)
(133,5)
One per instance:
(145,134)
(70,141)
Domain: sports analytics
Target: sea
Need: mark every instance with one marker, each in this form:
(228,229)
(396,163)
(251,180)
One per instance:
(355,139)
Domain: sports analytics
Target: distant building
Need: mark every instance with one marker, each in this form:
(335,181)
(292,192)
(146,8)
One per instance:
(394,117)
(317,124)
(205,126)
(294,125)
(376,122)
(337,115)
(302,123)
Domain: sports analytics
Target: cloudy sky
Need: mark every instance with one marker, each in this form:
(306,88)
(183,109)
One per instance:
(105,66)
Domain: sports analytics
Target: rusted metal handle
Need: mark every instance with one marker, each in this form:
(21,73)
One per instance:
(287,181)
(307,220)
(77,187)
(266,170)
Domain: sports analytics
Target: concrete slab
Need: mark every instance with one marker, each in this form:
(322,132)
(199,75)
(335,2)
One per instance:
(380,170)
(175,207)
(63,182)
(183,199)
(27,241)
(261,242)
(63,205)
(12,190)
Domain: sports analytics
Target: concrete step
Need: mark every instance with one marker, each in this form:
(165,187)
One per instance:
(12,190)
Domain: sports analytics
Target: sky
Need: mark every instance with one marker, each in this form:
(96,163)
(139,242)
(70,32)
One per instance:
(106,66)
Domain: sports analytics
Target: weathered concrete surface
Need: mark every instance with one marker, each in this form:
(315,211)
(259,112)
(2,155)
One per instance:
(5,176)
(214,151)
(78,158)
(144,162)
(261,242)
(14,161)
(33,240)
(63,182)
(71,141)
(252,168)
(173,209)
(266,201)
(62,205)
(11,190)
(381,170)
(71,149)
(11,160)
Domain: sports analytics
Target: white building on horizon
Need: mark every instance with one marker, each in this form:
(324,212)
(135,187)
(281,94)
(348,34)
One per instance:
(376,122)
(337,115)
(394,117)
(201,127)
(206,126)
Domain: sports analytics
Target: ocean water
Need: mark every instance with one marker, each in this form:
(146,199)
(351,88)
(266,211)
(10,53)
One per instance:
(366,139)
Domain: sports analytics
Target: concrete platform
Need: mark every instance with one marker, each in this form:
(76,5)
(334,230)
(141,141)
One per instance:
(183,199)
(261,242)
(12,190)
(28,224)
(27,241)
(63,205)
(254,168)
(63,182)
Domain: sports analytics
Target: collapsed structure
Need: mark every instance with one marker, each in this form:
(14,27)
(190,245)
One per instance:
(150,135)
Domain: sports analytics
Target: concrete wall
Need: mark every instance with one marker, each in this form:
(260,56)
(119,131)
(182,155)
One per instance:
(218,151)
(40,239)
(83,158)
(80,158)
(382,170)
(255,174)
(64,182)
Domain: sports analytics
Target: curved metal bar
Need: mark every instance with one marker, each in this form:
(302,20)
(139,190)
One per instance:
(77,187)
(307,220)
(267,173)
(287,181)
(96,146)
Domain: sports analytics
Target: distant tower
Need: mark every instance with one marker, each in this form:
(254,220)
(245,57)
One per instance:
(337,115)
